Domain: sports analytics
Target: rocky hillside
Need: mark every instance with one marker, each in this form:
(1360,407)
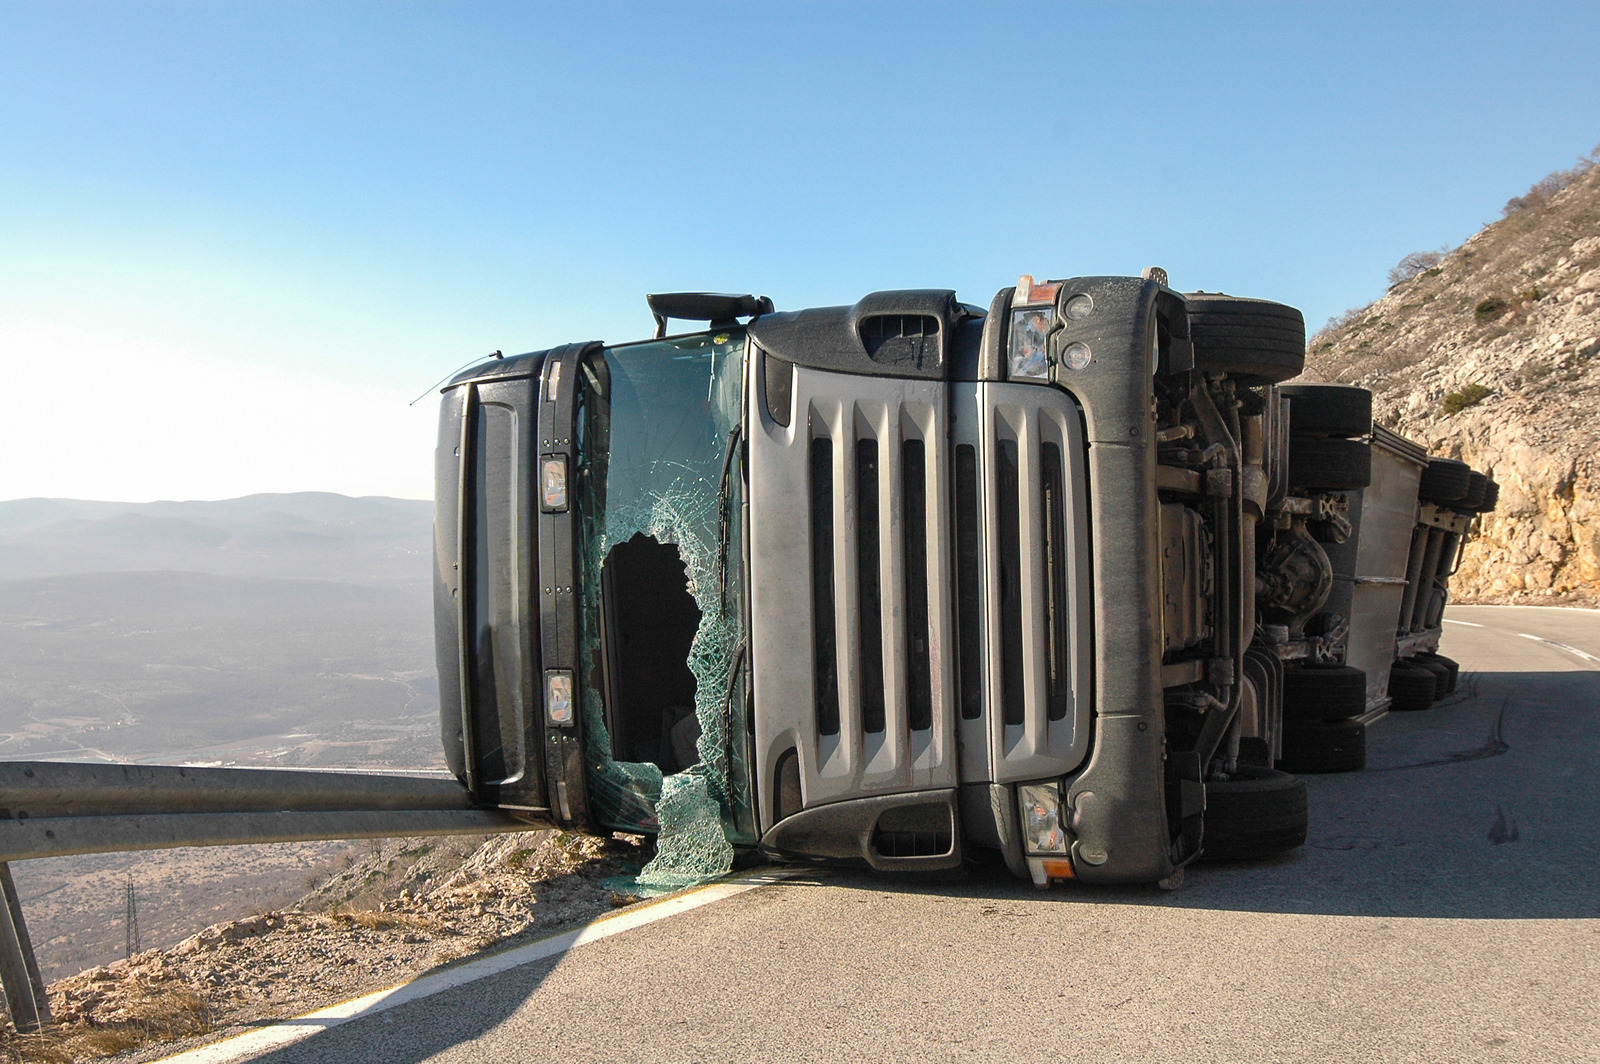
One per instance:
(408,907)
(1487,353)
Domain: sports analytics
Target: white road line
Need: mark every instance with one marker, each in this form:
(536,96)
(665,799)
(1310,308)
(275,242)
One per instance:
(1584,654)
(1569,609)
(1468,624)
(254,1043)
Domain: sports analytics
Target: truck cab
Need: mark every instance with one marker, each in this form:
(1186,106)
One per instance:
(893,581)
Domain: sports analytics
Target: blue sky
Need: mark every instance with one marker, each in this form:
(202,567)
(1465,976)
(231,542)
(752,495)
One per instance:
(236,239)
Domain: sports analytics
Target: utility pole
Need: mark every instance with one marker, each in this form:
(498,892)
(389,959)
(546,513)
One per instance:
(130,918)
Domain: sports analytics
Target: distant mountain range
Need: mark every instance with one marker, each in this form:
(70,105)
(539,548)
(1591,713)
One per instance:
(305,536)
(269,630)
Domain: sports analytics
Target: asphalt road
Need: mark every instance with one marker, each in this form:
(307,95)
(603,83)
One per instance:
(1446,908)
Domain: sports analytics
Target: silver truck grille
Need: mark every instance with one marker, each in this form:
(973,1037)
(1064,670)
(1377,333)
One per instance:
(874,524)
(908,569)
(851,604)
(1022,581)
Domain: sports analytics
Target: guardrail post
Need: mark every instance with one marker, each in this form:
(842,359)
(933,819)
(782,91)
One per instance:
(25,996)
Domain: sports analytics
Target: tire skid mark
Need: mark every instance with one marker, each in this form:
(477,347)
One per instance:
(1494,746)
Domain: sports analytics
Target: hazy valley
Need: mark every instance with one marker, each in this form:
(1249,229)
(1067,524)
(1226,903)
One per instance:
(289,630)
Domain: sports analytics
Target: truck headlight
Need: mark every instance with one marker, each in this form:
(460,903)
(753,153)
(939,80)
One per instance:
(1041,818)
(553,483)
(558,697)
(1030,342)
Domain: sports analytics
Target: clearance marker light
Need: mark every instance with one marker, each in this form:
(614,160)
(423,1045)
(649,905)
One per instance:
(553,483)
(558,696)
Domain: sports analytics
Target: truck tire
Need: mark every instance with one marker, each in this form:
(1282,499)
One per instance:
(1328,746)
(1411,687)
(1491,497)
(1260,811)
(1252,339)
(1324,692)
(1328,409)
(1444,481)
(1326,464)
(1477,488)
(1451,666)
(1441,676)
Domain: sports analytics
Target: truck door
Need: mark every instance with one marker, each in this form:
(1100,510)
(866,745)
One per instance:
(487,534)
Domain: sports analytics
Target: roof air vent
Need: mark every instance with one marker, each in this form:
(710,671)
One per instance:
(901,339)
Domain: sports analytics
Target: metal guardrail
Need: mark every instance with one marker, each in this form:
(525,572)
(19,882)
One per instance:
(51,788)
(54,809)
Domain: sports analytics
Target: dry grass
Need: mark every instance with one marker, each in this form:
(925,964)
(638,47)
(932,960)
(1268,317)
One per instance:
(35,1049)
(163,1016)
(375,920)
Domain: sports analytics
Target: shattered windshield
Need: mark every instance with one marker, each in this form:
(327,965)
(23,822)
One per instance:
(658,492)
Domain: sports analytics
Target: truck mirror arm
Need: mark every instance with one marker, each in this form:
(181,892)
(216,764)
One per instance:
(723,311)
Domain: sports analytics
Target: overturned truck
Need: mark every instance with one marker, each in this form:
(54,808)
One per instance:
(1075,578)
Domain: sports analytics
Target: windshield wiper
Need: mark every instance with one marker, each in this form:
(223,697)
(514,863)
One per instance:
(735,670)
(722,520)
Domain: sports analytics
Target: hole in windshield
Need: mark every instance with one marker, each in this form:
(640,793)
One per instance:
(651,620)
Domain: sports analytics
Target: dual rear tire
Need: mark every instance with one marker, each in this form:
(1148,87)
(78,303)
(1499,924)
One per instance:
(1419,682)
(1452,483)
(1452,671)
(1319,734)
(1325,423)
(1412,688)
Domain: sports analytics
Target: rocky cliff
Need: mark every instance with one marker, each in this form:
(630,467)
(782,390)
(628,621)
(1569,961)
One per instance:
(1487,353)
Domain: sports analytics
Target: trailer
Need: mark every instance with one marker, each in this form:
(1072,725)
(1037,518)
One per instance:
(1076,578)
